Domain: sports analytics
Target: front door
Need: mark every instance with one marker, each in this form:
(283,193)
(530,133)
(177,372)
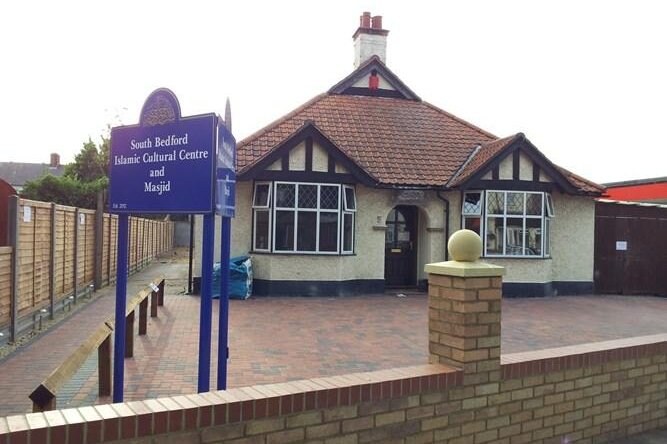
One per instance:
(400,247)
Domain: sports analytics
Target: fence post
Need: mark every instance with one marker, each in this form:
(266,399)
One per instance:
(52,264)
(14,243)
(464,297)
(104,367)
(129,335)
(153,304)
(143,315)
(99,241)
(76,254)
(160,298)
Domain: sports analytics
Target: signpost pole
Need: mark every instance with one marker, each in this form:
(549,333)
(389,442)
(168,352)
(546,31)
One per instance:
(119,327)
(223,319)
(205,312)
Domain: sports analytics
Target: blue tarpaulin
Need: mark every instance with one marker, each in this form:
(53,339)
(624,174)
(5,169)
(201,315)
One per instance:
(240,278)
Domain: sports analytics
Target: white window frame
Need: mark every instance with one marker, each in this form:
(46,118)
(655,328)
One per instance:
(254,195)
(354,198)
(261,208)
(547,212)
(474,215)
(339,211)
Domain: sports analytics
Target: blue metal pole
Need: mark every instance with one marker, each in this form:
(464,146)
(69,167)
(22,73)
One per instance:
(119,327)
(223,319)
(205,312)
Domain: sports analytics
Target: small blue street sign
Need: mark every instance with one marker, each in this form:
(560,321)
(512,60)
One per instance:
(164,168)
(225,203)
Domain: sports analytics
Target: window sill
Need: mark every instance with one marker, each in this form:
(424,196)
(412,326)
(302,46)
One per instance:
(534,258)
(301,253)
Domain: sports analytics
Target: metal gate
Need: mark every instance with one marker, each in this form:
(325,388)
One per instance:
(630,248)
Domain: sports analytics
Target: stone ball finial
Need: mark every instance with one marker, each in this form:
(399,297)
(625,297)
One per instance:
(465,246)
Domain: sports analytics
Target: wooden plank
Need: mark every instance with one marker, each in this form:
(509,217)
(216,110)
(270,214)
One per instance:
(44,395)
(5,284)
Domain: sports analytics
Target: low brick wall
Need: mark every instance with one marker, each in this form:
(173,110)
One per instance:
(470,394)
(586,393)
(374,406)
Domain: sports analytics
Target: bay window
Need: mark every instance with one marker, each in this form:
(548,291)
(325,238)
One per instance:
(303,218)
(512,223)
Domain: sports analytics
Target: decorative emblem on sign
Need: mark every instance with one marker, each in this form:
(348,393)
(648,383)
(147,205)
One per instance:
(161,107)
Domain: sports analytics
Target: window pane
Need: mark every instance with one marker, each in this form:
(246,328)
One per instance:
(306,230)
(329,197)
(473,223)
(514,236)
(472,203)
(307,196)
(261,229)
(284,230)
(550,206)
(515,203)
(285,195)
(495,202)
(533,237)
(350,203)
(494,235)
(328,231)
(534,204)
(348,227)
(261,195)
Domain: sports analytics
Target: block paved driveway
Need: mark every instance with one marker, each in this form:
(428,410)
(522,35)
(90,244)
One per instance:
(285,338)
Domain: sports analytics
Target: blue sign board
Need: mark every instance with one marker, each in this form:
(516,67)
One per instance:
(225,203)
(165,168)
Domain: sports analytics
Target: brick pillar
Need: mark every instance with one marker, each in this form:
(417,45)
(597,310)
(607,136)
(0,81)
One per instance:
(464,310)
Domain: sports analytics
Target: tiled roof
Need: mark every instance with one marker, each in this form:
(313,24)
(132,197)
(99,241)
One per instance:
(397,141)
(18,173)
(483,154)
(584,185)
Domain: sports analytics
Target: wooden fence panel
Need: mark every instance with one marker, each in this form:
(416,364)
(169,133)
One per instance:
(89,251)
(39,236)
(42,255)
(105,249)
(69,223)
(114,246)
(25,255)
(59,246)
(5,284)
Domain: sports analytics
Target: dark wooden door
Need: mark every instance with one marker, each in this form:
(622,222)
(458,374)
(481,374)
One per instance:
(630,249)
(400,252)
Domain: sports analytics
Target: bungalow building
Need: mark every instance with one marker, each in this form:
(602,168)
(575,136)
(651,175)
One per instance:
(360,187)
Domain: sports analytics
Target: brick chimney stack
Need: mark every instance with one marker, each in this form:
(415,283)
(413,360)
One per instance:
(55,160)
(370,39)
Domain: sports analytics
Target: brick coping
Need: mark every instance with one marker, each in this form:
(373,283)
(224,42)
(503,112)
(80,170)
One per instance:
(529,363)
(136,419)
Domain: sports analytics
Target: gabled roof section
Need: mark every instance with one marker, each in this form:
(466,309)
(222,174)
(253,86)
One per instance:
(489,154)
(398,142)
(481,157)
(399,89)
(308,129)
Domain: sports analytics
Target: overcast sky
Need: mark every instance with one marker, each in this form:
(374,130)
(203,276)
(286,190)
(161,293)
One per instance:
(586,81)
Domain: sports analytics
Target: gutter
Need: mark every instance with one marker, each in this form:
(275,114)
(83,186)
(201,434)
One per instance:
(446,215)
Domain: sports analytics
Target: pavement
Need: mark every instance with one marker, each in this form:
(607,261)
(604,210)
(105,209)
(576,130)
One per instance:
(274,339)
